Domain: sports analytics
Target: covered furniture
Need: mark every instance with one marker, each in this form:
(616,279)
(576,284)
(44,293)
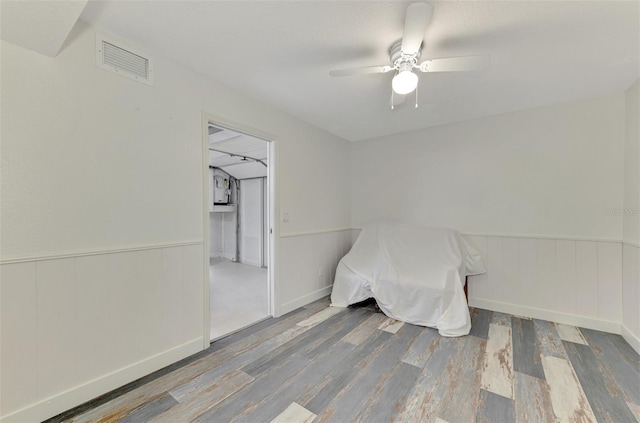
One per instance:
(416,274)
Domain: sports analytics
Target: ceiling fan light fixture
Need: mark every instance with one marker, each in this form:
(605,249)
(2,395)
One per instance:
(404,82)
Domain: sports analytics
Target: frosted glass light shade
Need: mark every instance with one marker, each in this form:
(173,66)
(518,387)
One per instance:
(404,82)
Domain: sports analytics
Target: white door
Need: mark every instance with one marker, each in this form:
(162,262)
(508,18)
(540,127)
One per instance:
(251,221)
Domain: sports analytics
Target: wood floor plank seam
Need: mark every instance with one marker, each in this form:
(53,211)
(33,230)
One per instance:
(295,413)
(426,396)
(349,402)
(197,404)
(618,360)
(462,381)
(568,399)
(604,397)
(421,348)
(243,405)
(294,388)
(335,381)
(314,335)
(181,372)
(343,366)
(497,373)
(531,399)
(526,354)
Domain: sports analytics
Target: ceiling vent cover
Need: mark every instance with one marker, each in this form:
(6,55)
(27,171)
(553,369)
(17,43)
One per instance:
(123,60)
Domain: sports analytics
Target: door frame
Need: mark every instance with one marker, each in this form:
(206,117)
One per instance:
(272,252)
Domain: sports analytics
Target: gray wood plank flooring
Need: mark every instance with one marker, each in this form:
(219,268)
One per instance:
(605,398)
(526,356)
(345,367)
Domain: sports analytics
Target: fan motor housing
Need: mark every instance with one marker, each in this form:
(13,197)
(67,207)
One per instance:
(395,51)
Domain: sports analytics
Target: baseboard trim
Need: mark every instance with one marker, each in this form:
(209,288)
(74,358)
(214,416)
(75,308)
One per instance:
(631,338)
(304,300)
(73,397)
(552,316)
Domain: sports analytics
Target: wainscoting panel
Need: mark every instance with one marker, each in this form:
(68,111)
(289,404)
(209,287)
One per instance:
(587,277)
(19,341)
(567,281)
(610,281)
(57,327)
(75,327)
(193,306)
(310,266)
(631,295)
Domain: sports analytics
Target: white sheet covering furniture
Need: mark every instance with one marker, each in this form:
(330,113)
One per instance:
(416,274)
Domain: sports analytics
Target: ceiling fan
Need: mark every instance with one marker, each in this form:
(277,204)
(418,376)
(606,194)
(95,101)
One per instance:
(404,55)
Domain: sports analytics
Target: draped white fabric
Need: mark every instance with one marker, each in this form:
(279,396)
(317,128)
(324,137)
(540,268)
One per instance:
(416,275)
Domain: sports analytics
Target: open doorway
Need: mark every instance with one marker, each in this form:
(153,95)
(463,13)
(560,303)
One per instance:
(239,198)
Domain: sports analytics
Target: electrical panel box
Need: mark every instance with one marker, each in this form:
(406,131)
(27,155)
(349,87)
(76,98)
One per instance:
(221,187)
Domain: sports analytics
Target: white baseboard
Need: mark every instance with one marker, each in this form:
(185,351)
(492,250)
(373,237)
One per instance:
(552,316)
(303,301)
(631,338)
(66,400)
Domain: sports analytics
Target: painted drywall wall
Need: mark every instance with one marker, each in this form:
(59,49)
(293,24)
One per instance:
(92,161)
(562,280)
(631,207)
(554,171)
(97,165)
(76,327)
(631,220)
(538,191)
(314,257)
(631,295)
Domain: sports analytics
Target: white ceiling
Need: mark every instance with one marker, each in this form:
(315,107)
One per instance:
(41,26)
(542,53)
(238,154)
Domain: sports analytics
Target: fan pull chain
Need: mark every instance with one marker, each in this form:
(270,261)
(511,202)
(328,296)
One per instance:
(416,97)
(392,108)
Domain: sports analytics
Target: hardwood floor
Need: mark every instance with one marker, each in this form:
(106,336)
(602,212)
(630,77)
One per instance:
(340,365)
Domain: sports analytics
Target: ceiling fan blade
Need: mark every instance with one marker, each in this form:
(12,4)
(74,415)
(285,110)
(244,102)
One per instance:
(360,71)
(415,25)
(457,64)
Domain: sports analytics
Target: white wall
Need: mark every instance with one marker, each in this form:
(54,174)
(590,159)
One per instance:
(76,327)
(115,163)
(631,225)
(537,192)
(551,171)
(631,213)
(314,257)
(561,280)
(96,165)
